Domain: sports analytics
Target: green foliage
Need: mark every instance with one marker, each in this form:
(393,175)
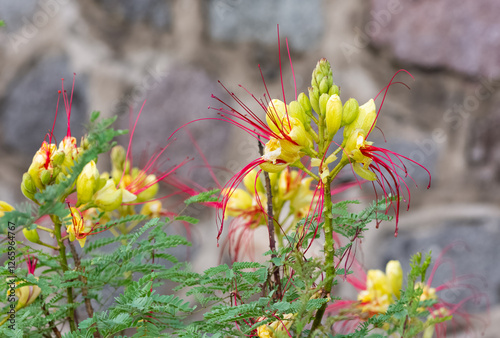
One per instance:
(207,196)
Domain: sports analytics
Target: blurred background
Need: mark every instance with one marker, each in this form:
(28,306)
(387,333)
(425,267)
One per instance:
(172,53)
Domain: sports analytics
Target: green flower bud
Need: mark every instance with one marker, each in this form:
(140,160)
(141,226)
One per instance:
(295,110)
(86,183)
(46,176)
(334,90)
(28,187)
(364,121)
(351,111)
(58,158)
(305,103)
(118,155)
(324,85)
(31,235)
(314,98)
(323,99)
(322,78)
(84,143)
(60,178)
(333,117)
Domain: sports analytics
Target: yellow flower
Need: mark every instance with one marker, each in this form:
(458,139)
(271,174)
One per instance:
(381,288)
(239,202)
(27,295)
(152,209)
(353,152)
(109,198)
(79,228)
(5,207)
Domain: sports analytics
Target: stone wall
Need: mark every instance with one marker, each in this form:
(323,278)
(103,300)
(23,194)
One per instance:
(173,52)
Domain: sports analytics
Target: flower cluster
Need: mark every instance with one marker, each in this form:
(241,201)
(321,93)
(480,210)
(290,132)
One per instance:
(292,198)
(306,127)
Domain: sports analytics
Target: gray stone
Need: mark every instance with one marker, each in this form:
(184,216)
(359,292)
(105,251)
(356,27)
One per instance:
(179,96)
(463,37)
(473,251)
(237,20)
(154,12)
(17,14)
(30,104)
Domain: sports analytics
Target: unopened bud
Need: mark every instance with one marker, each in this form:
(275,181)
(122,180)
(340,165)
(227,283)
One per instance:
(118,155)
(323,99)
(86,183)
(314,98)
(351,111)
(333,117)
(28,187)
(322,78)
(334,90)
(364,121)
(394,274)
(295,110)
(46,176)
(58,158)
(31,235)
(305,103)
(324,85)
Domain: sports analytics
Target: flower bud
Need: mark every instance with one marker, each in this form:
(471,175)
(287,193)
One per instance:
(31,235)
(58,158)
(86,183)
(324,85)
(333,117)
(151,191)
(322,72)
(305,103)
(365,119)
(295,110)
(334,90)
(5,207)
(275,115)
(351,111)
(314,98)
(252,183)
(394,274)
(27,295)
(118,155)
(108,198)
(28,187)
(323,99)
(46,176)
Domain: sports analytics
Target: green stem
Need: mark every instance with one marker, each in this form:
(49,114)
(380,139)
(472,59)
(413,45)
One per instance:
(64,266)
(299,165)
(329,243)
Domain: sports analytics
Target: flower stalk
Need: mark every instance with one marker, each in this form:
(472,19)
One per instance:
(64,265)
